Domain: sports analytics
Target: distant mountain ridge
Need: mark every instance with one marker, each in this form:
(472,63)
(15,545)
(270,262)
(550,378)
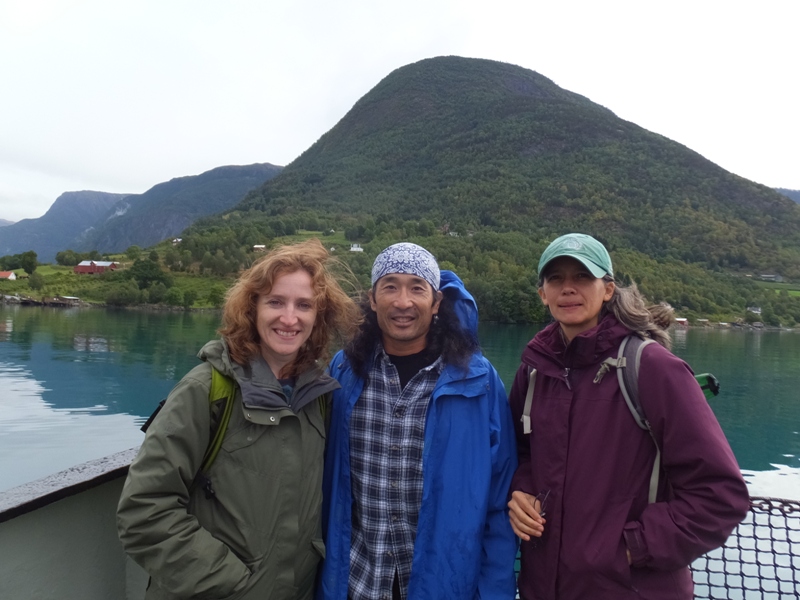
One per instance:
(478,145)
(791,194)
(4,223)
(168,208)
(71,214)
(84,221)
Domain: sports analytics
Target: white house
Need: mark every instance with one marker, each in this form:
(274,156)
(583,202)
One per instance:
(10,275)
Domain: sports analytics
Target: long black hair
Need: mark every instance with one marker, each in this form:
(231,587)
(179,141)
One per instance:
(446,338)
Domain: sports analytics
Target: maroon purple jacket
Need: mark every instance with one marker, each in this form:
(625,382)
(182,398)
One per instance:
(586,449)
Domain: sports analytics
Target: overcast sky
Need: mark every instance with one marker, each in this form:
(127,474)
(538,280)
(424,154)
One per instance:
(118,96)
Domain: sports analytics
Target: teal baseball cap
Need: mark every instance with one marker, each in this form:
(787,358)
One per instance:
(584,248)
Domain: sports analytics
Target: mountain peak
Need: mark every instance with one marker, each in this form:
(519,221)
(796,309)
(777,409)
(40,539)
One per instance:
(493,146)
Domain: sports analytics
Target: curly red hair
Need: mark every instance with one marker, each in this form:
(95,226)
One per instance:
(337,313)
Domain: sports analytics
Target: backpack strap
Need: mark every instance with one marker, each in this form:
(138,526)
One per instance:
(526,411)
(630,351)
(223,388)
(630,355)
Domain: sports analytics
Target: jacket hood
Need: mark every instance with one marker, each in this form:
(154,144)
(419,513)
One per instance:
(463,303)
(216,354)
(260,388)
(584,349)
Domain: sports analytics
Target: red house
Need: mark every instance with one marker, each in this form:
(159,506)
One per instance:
(94,266)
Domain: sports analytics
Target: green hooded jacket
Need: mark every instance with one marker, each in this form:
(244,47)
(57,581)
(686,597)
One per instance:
(259,536)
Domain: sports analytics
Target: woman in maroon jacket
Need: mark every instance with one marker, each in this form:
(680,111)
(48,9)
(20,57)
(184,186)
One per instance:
(580,494)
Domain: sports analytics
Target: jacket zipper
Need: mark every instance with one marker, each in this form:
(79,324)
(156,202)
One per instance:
(566,378)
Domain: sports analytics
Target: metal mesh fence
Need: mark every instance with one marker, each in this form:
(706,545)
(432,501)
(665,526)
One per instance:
(761,558)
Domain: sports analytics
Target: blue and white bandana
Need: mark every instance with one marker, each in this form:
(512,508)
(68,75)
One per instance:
(409,259)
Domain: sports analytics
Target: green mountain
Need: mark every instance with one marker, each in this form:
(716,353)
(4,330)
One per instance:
(477,145)
(168,208)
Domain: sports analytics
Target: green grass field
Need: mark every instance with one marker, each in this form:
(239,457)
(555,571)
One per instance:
(336,239)
(792,288)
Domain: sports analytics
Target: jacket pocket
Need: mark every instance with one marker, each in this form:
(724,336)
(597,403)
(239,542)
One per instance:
(246,478)
(241,438)
(307,567)
(240,594)
(595,557)
(672,585)
(611,557)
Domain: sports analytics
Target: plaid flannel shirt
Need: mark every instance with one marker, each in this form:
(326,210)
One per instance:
(387,437)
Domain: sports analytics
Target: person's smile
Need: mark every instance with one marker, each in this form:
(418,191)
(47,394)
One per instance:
(573,295)
(404,305)
(285,318)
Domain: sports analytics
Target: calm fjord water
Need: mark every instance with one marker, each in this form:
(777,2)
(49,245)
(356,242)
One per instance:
(76,384)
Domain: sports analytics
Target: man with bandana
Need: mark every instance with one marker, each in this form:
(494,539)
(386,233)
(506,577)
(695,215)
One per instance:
(421,448)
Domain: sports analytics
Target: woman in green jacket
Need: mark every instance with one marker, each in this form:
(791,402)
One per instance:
(252,529)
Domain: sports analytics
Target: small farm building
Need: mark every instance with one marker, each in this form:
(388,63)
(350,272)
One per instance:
(92,267)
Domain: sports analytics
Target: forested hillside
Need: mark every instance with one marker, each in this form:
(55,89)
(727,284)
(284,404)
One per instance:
(479,145)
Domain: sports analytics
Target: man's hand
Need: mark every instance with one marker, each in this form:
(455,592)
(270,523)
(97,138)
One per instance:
(524,516)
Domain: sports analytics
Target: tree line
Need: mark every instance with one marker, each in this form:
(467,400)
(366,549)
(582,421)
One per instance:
(499,268)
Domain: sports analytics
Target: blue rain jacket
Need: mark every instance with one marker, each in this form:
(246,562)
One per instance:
(465,547)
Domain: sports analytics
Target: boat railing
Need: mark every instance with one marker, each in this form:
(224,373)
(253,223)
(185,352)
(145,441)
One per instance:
(761,558)
(759,561)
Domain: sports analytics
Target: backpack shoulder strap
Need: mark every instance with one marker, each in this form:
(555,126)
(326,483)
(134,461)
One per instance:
(628,375)
(629,358)
(526,410)
(222,388)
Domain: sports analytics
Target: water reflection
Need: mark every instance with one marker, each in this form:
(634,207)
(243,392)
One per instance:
(84,343)
(6,327)
(77,384)
(754,340)
(37,439)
